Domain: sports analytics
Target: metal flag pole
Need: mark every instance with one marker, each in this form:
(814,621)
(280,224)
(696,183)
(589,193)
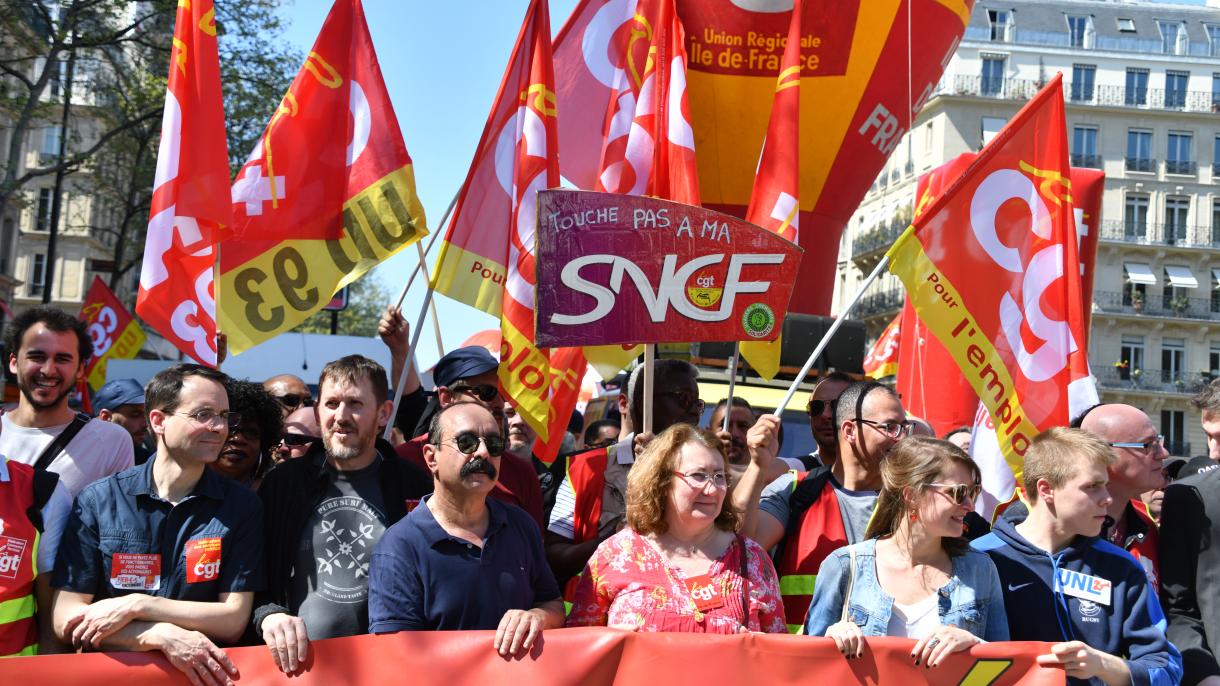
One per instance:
(436,234)
(406,367)
(650,357)
(885,261)
(436,322)
(728,404)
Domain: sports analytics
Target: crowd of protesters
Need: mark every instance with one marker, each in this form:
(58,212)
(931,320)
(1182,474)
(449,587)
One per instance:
(199,511)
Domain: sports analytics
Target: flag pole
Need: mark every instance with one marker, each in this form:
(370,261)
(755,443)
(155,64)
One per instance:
(728,403)
(436,322)
(406,367)
(650,357)
(885,261)
(216,305)
(403,295)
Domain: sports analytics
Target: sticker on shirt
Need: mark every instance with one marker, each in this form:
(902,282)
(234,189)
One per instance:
(202,560)
(704,591)
(12,552)
(411,503)
(1091,588)
(135,571)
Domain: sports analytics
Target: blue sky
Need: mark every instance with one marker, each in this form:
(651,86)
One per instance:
(442,61)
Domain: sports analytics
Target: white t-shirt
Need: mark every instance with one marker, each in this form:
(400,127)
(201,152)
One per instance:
(916,620)
(97,451)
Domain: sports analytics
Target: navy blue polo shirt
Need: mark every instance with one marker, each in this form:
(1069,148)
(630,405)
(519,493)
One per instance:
(122,538)
(421,578)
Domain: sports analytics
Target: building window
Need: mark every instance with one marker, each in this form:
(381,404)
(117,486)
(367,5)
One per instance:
(1213,39)
(1131,353)
(1083,77)
(1126,25)
(1136,94)
(42,220)
(1135,218)
(992,83)
(1215,92)
(6,246)
(1173,426)
(1213,356)
(1174,40)
(49,152)
(1139,151)
(1177,207)
(1000,22)
(1179,156)
(38,274)
(1084,147)
(1215,308)
(1175,89)
(1216,222)
(1080,28)
(991,126)
(1173,356)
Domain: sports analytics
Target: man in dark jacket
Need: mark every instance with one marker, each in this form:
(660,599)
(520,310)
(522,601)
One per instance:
(326,511)
(1108,623)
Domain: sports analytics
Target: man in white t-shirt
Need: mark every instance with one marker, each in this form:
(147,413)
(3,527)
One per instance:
(48,349)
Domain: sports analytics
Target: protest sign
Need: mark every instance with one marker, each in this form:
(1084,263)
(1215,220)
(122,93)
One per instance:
(114,333)
(616,269)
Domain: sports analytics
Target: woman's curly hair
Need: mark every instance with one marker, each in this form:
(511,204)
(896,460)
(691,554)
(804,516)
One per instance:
(652,477)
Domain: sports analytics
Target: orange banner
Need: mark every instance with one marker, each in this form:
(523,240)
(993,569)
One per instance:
(582,657)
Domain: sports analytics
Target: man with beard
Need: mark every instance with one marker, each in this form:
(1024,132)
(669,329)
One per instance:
(734,440)
(829,507)
(461,561)
(301,433)
(47,353)
(246,453)
(326,511)
(590,504)
(290,391)
(121,402)
(469,375)
(165,556)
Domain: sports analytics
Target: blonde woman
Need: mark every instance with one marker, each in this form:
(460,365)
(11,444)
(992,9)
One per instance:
(679,565)
(915,575)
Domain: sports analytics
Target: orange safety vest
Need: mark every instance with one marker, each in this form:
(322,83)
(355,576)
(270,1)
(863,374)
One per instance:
(820,533)
(587,476)
(18,563)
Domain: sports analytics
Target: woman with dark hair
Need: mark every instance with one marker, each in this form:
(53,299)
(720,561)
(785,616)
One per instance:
(915,575)
(680,564)
(246,454)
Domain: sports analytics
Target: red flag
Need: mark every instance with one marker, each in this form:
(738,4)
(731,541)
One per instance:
(775,202)
(882,359)
(327,193)
(190,203)
(992,268)
(115,334)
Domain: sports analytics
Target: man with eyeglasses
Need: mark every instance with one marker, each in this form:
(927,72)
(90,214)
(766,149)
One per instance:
(326,511)
(469,375)
(48,349)
(1190,557)
(301,433)
(166,556)
(813,513)
(290,390)
(462,561)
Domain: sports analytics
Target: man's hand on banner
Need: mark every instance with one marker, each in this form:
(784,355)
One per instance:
(1082,661)
(287,640)
(99,620)
(193,654)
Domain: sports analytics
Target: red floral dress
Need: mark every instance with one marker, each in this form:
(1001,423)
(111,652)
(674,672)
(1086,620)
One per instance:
(628,584)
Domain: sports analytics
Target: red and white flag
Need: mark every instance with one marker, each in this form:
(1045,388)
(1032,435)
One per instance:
(190,202)
(775,201)
(882,359)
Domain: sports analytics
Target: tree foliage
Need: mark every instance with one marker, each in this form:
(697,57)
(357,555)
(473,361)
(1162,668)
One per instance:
(366,300)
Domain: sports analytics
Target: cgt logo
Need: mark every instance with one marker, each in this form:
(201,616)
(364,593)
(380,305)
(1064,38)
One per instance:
(203,560)
(12,552)
(206,570)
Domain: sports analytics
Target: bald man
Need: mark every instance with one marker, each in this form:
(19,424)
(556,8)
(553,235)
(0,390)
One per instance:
(301,432)
(1138,468)
(290,390)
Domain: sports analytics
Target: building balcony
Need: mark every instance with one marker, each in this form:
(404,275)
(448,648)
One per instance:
(1159,99)
(1158,235)
(1083,160)
(1150,380)
(869,246)
(1188,167)
(1141,164)
(1197,309)
(879,304)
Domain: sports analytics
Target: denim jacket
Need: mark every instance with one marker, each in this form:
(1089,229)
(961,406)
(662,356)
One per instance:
(972,600)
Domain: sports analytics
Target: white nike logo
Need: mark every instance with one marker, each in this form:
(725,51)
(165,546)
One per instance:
(1017,587)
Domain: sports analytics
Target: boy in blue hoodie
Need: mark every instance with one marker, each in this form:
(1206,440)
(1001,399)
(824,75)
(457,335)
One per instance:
(1107,624)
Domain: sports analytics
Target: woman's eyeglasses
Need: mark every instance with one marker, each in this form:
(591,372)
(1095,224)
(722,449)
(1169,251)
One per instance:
(958,492)
(700,479)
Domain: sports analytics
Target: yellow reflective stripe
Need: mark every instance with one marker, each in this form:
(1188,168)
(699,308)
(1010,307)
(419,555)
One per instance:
(797,584)
(16,609)
(798,629)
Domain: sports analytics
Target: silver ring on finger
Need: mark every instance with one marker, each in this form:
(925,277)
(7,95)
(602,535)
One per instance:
(933,643)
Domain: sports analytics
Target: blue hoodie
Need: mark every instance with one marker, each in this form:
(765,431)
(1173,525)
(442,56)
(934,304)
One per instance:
(1132,626)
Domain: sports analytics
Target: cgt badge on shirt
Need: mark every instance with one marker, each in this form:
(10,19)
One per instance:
(202,560)
(704,591)
(1091,588)
(135,571)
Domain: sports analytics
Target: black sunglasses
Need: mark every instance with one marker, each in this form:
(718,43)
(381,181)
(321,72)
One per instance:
(817,408)
(298,440)
(467,443)
(485,392)
(292,400)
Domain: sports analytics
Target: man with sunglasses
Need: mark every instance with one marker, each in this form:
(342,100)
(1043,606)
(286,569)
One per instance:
(462,561)
(168,555)
(48,349)
(815,512)
(326,511)
(290,390)
(301,434)
(469,375)
(822,421)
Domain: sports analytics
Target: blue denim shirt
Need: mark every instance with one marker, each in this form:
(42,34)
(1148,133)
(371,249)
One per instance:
(972,600)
